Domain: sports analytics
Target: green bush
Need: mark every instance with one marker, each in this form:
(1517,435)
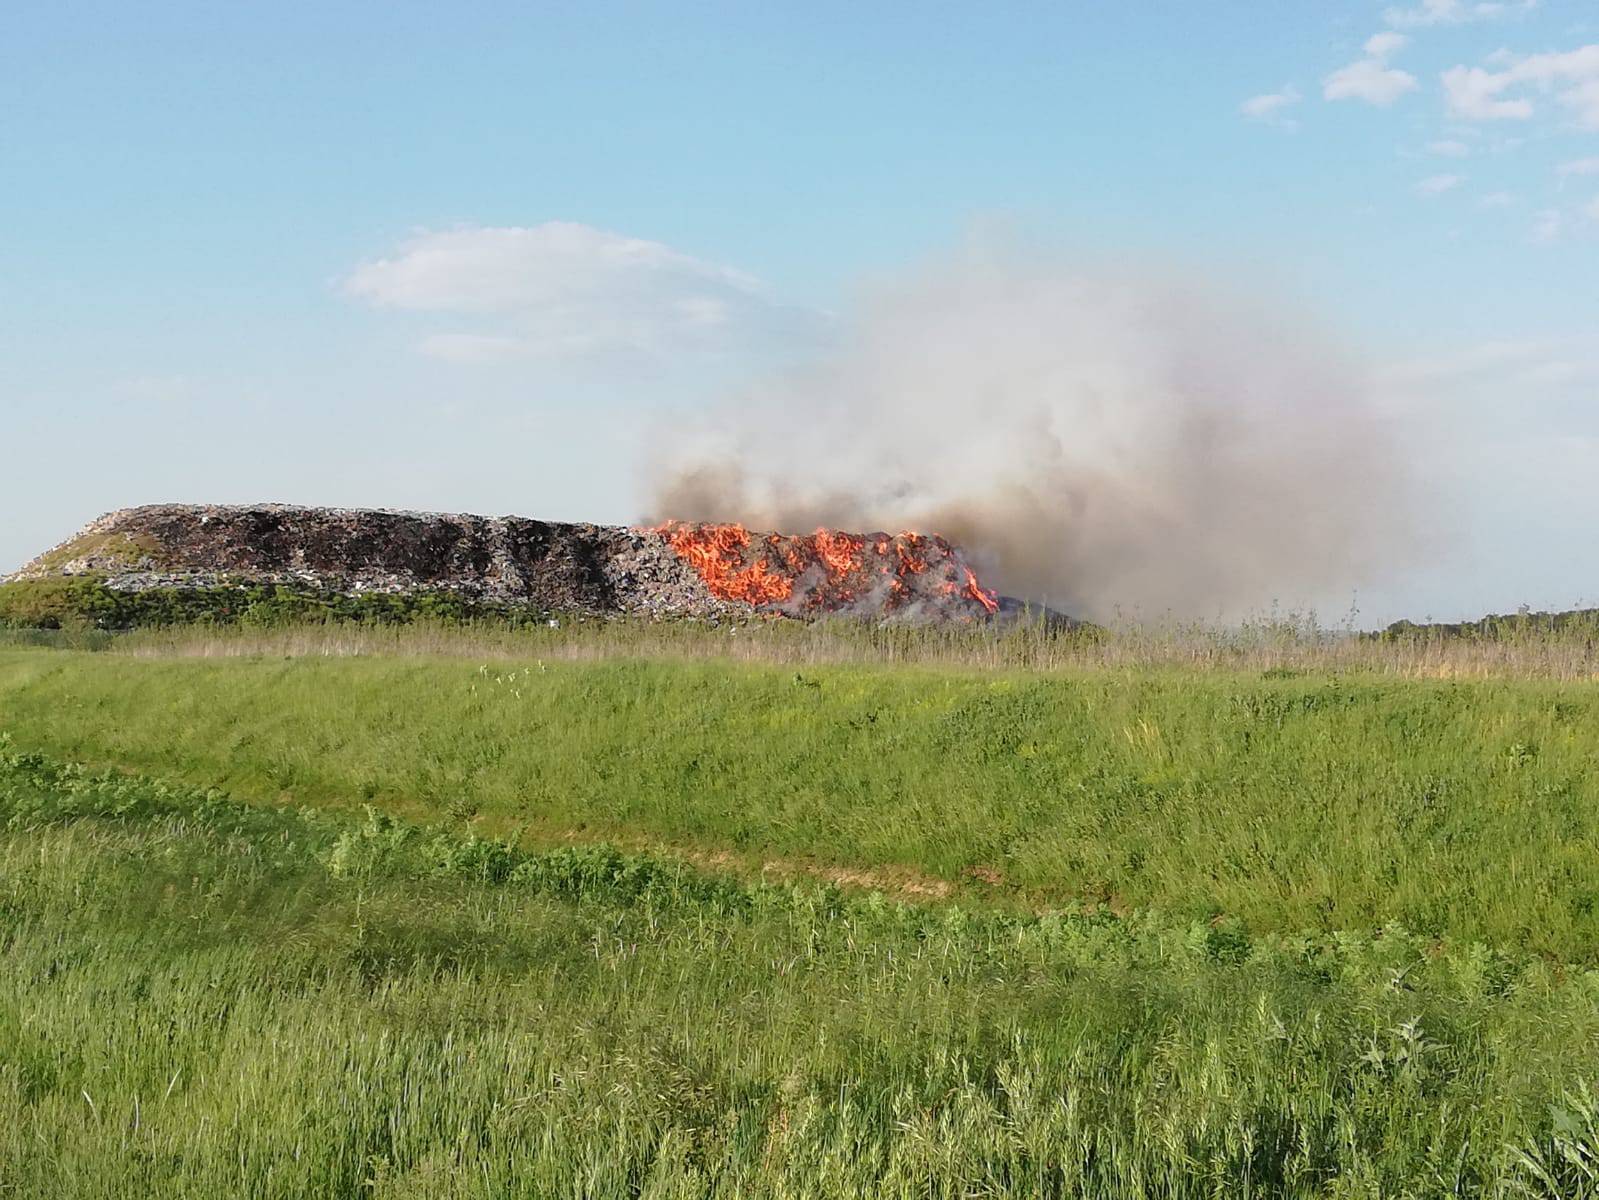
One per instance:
(85,602)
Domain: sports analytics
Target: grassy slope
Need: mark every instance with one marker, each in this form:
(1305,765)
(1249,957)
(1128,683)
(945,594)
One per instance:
(1294,804)
(201,1000)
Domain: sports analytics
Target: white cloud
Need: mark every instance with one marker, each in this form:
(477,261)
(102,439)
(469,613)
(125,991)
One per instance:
(1547,227)
(1583,100)
(1474,94)
(156,390)
(1479,94)
(1578,166)
(472,347)
(1593,209)
(1368,80)
(1384,45)
(1437,185)
(1371,78)
(1498,200)
(563,289)
(1454,12)
(1269,107)
(1494,358)
(1556,372)
(1576,71)
(1525,362)
(488,269)
(1448,149)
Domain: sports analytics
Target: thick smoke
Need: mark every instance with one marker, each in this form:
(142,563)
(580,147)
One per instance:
(1097,443)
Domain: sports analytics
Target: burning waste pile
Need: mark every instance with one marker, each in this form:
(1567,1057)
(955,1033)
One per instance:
(173,561)
(909,575)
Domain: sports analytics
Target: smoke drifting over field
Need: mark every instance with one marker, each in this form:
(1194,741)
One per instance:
(1095,442)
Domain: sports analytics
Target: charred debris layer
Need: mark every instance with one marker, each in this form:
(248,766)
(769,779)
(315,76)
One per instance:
(173,563)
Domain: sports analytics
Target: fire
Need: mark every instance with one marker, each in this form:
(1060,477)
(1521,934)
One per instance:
(908,547)
(832,571)
(979,593)
(840,553)
(717,553)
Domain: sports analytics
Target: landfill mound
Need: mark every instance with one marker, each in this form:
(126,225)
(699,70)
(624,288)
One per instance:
(676,569)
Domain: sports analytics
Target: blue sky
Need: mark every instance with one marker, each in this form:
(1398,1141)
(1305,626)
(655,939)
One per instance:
(468,256)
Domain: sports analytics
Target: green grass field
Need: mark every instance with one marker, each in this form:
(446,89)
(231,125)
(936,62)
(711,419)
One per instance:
(911,929)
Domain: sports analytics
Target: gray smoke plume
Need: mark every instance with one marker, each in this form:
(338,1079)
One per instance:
(1095,441)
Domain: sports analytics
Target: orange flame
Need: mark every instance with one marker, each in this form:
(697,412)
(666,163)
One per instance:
(979,593)
(773,568)
(717,553)
(840,553)
(908,547)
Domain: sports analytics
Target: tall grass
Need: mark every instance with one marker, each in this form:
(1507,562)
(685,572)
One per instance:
(207,999)
(1512,648)
(1286,801)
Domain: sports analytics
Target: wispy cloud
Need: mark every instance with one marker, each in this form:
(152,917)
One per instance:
(1382,45)
(1547,227)
(563,289)
(1474,94)
(1454,12)
(1551,362)
(473,348)
(1437,185)
(1271,107)
(1505,93)
(1498,200)
(1448,149)
(1578,166)
(1371,78)
(1497,358)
